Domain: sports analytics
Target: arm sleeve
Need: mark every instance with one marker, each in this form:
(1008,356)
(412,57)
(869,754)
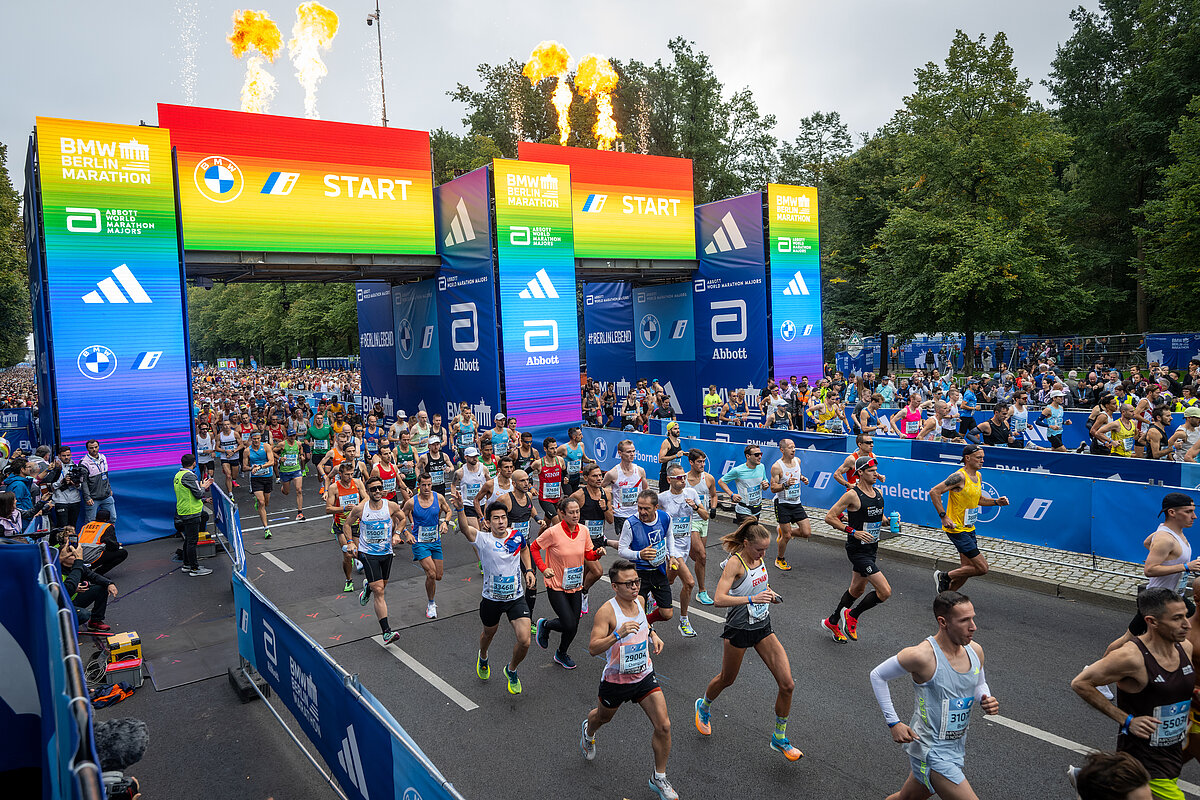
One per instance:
(887,671)
(981,688)
(625,544)
(535,552)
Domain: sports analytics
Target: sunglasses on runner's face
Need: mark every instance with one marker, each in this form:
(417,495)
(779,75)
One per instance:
(758,453)
(375,488)
(630,584)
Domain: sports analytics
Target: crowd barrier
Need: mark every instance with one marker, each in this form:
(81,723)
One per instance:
(1105,517)
(46,714)
(368,752)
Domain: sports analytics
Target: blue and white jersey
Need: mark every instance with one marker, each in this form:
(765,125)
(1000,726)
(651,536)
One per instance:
(375,530)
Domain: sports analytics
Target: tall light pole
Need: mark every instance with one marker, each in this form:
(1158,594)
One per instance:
(373,19)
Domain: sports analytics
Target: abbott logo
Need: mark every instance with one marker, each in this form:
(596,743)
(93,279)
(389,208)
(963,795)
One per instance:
(519,236)
(469,341)
(1034,508)
(541,329)
(351,762)
(83,220)
(796,286)
(737,317)
(822,480)
(109,293)
(594,203)
(727,237)
(461,229)
(269,644)
(540,287)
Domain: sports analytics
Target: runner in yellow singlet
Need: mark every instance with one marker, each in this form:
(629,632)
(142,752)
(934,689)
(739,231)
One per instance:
(958,518)
(1122,432)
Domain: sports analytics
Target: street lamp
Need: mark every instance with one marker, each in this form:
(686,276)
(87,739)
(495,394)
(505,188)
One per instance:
(373,19)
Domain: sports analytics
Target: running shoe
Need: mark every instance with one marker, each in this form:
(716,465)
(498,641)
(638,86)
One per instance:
(587,743)
(514,683)
(785,747)
(584,609)
(482,669)
(300,516)
(1073,776)
(364,595)
(542,633)
(236,485)
(663,788)
(199,572)
(651,605)
(782,564)
(390,636)
(703,718)
(704,599)
(99,625)
(838,636)
(564,660)
(685,628)
(1107,691)
(942,581)
(349,587)
(266,533)
(850,624)
(431,610)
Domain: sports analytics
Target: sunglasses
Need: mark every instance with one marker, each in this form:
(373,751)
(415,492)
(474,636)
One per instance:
(630,584)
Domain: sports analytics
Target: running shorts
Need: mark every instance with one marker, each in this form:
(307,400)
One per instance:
(423,550)
(376,568)
(700,526)
(744,639)
(655,583)
(789,513)
(862,557)
(336,530)
(1166,789)
(964,542)
(739,517)
(263,485)
(1055,440)
(613,694)
(548,508)
(289,476)
(490,611)
(944,765)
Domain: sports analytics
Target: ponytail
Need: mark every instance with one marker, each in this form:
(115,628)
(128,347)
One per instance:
(750,530)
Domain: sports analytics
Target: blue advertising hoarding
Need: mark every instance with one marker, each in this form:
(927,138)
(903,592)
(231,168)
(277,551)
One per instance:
(1172,350)
(608,334)
(418,358)
(377,344)
(665,343)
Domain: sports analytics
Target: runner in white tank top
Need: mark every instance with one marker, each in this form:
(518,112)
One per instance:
(626,480)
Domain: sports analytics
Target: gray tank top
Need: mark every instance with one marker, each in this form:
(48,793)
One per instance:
(944,704)
(755,615)
(1176,581)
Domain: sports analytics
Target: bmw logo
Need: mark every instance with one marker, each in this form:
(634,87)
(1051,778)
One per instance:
(218,179)
(600,448)
(988,513)
(651,330)
(411,794)
(97,362)
(405,335)
(787,331)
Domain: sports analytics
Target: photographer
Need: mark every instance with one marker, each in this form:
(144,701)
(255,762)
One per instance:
(64,480)
(98,540)
(87,588)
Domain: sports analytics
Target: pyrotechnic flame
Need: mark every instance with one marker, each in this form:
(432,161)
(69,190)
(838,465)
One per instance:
(596,79)
(313,32)
(255,30)
(551,60)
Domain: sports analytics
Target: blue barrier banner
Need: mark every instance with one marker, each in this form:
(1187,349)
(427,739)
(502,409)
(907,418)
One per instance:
(730,295)
(1190,476)
(796,331)
(666,349)
(229,524)
(759,436)
(608,334)
(1172,350)
(418,357)
(377,344)
(1079,465)
(466,298)
(1114,506)
(27,715)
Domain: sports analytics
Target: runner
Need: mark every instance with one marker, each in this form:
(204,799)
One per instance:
(259,461)
(494,487)
(500,438)
(863,506)
(706,486)
(645,541)
(1155,684)
(595,509)
(712,405)
(681,503)
(958,518)
(398,427)
(1100,416)
(1156,433)
(421,430)
(623,633)
(668,454)
(750,480)
(845,474)
(406,462)
(1121,433)
(552,479)
(206,451)
(523,519)
(626,480)
(463,429)
(343,494)
(575,456)
(506,577)
(440,470)
(380,523)
(1187,435)
(1053,417)
(469,479)
(319,441)
(372,436)
(943,426)
(1018,420)
(385,469)
(744,590)
(559,552)
(948,676)
(429,513)
(994,430)
(287,453)
(789,511)
(230,446)
(525,454)
(869,419)
(908,419)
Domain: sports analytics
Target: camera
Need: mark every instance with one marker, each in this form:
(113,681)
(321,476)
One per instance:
(77,474)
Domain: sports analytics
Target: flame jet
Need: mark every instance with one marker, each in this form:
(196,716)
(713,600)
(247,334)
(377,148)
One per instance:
(551,60)
(313,32)
(595,80)
(255,30)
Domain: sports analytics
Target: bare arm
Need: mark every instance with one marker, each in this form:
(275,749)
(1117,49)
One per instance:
(951,484)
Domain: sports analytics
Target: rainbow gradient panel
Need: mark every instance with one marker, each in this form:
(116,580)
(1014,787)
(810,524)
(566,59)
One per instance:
(115,291)
(283,184)
(794,252)
(627,205)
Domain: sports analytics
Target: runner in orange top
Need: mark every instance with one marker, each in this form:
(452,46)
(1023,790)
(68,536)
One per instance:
(559,553)
(342,495)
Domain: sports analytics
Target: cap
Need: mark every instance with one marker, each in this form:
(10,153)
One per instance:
(433,440)
(471,451)
(1176,500)
(972,379)
(499,417)
(1192,411)
(401,414)
(862,462)
(1057,393)
(1073,374)
(972,448)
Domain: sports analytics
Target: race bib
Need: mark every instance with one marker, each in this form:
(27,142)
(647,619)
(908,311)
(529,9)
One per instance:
(912,426)
(389,485)
(408,469)
(373,537)
(574,465)
(634,658)
(629,495)
(438,477)
(521,528)
(470,490)
(595,528)
(1127,444)
(660,554)
(427,533)
(872,529)
(956,715)
(682,528)
(1018,425)
(753,496)
(835,424)
(349,500)
(572,578)
(372,445)
(552,491)
(791,494)
(970,516)
(464,439)
(500,448)
(759,611)
(320,445)
(291,461)
(1174,724)
(504,587)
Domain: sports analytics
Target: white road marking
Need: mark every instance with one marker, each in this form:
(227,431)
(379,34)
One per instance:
(293,522)
(277,562)
(699,612)
(429,675)
(1067,744)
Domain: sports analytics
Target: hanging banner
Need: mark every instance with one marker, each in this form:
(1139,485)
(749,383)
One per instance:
(466,296)
(730,295)
(1172,350)
(418,367)
(666,349)
(608,330)
(796,335)
(376,344)
(538,311)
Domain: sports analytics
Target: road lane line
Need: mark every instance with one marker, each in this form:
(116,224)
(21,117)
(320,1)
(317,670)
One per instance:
(429,675)
(277,562)
(293,522)
(699,612)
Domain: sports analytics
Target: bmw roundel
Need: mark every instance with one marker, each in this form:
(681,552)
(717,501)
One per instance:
(787,330)
(97,362)
(218,179)
(406,339)
(651,330)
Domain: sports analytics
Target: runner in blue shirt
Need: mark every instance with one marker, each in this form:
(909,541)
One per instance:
(749,480)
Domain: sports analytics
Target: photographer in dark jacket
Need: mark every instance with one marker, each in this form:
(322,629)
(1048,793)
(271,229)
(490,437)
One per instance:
(87,588)
(64,480)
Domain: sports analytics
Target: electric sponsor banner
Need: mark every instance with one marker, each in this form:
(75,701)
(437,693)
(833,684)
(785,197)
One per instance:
(626,205)
(377,344)
(796,335)
(418,357)
(730,295)
(666,349)
(538,312)
(466,296)
(115,292)
(283,184)
(608,332)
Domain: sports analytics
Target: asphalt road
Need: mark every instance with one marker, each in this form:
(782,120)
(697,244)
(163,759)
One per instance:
(204,742)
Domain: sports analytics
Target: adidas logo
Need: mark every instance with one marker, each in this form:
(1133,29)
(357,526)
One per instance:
(351,762)
(539,287)
(1159,679)
(727,237)
(110,293)
(796,286)
(461,229)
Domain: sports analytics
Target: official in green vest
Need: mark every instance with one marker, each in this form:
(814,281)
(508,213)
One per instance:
(189,513)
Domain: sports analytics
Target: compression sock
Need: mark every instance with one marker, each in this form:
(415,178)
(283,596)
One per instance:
(868,602)
(653,617)
(846,601)
(781,727)
(384,625)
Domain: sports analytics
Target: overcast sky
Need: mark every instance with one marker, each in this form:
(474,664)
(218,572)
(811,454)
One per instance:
(113,61)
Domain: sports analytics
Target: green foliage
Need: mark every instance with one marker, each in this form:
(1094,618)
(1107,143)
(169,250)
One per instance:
(15,319)
(456,154)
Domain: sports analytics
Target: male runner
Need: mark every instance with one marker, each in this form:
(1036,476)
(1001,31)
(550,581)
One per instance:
(523,519)
(712,405)
(1053,417)
(287,455)
(229,448)
(994,430)
(318,439)
(785,483)
(750,480)
(500,437)
(386,470)
(645,542)
(429,513)
(258,460)
(706,486)
(469,479)
(958,518)
(440,470)
(626,480)
(406,460)
(681,502)
(372,436)
(494,487)
(343,494)
(942,426)
(421,430)
(947,673)
(863,506)
(379,522)
(622,631)
(551,470)
(595,509)
(845,473)
(575,456)
(525,453)
(463,429)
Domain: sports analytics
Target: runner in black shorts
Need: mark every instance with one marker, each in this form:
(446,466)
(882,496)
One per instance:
(786,479)
(645,541)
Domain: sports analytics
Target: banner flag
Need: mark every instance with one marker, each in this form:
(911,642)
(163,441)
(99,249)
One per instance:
(608,331)
(796,332)
(418,358)
(666,348)
(377,344)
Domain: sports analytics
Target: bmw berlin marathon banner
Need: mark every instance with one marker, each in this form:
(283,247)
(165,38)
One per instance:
(538,314)
(795,282)
(466,296)
(666,349)
(376,345)
(418,359)
(608,333)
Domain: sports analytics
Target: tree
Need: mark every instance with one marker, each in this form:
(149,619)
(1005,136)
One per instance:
(15,319)
(454,154)
(971,243)
(823,141)
(508,109)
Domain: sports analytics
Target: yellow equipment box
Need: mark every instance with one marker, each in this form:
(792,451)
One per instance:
(124,646)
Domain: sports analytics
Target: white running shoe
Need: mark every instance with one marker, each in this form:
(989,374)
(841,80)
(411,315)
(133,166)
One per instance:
(431,610)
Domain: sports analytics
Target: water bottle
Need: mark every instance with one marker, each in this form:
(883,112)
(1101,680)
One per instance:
(894,520)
